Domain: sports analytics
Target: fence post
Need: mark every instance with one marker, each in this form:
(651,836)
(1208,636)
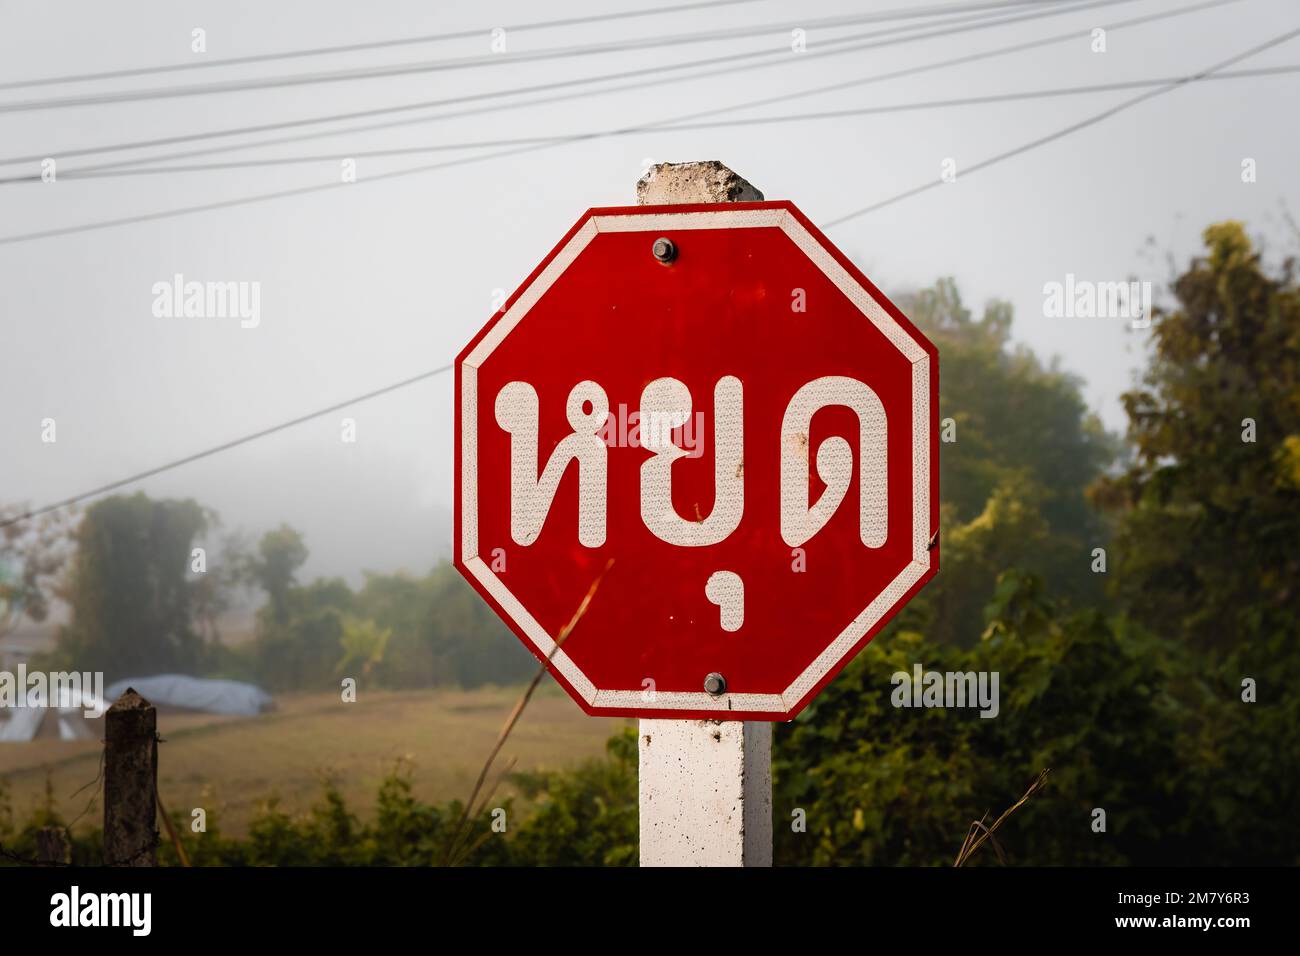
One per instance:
(52,846)
(705,786)
(130,782)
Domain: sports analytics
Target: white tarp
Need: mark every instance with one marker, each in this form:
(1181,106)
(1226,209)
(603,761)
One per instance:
(65,718)
(196,693)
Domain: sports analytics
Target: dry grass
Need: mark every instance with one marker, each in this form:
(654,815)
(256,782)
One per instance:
(231,765)
(456,849)
(979,832)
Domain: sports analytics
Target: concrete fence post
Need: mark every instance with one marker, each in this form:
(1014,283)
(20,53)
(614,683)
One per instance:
(131,782)
(52,846)
(705,786)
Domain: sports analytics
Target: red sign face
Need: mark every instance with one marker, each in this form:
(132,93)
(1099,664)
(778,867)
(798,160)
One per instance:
(738,420)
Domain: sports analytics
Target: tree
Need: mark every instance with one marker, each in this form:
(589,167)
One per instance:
(399,629)
(1210,508)
(1015,462)
(280,554)
(442,632)
(130,590)
(364,644)
(1208,518)
(33,555)
(303,649)
(215,589)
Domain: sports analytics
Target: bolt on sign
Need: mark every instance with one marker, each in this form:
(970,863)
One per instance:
(714,398)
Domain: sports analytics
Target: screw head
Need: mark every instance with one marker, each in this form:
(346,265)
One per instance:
(665,250)
(715,684)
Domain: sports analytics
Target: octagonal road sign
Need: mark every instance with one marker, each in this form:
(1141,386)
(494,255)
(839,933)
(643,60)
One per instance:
(716,400)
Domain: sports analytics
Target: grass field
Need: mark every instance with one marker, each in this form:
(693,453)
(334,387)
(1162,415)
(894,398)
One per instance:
(230,766)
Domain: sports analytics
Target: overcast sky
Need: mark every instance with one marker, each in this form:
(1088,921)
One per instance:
(372,282)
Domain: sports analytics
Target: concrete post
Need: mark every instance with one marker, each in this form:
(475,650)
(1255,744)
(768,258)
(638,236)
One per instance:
(705,785)
(130,782)
(52,846)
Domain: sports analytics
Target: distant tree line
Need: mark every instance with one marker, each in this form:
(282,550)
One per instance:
(143,601)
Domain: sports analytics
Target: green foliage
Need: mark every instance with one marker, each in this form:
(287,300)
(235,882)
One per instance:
(32,556)
(398,629)
(130,591)
(1013,482)
(136,609)
(18,844)
(887,785)
(586,816)
(1208,524)
(280,554)
(364,644)
(1209,521)
(443,632)
(303,649)
(404,831)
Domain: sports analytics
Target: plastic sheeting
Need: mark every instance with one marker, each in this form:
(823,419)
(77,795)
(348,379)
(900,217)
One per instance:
(197,693)
(66,719)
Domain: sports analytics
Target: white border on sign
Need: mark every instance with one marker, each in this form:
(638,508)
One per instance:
(862,299)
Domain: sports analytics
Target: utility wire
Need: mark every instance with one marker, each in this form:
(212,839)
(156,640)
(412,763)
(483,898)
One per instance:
(640,86)
(823,48)
(207,64)
(91,173)
(1073,127)
(397,69)
(393,174)
(884,15)
(225,446)
(1065,131)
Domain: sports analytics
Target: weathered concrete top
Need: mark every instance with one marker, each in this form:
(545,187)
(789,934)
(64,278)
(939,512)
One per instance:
(708,181)
(131,700)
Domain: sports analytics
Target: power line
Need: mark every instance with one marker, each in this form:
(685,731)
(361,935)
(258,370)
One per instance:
(244,200)
(393,174)
(985,20)
(405,69)
(1007,154)
(884,15)
(1072,128)
(981,21)
(224,446)
(675,127)
(208,64)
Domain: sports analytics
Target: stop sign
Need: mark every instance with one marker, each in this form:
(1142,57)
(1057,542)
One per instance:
(710,405)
